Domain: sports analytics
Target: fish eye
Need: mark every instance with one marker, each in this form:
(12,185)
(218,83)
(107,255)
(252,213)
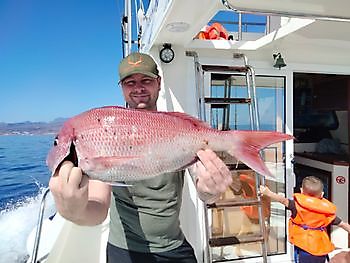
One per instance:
(55,143)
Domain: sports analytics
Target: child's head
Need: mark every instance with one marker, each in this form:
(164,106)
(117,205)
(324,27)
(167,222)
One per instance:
(312,186)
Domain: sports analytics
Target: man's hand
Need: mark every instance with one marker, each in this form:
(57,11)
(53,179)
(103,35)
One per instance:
(69,188)
(78,198)
(212,176)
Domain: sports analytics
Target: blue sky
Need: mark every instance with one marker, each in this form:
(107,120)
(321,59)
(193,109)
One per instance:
(58,58)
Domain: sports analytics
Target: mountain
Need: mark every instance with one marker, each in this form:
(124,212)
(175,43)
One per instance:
(28,127)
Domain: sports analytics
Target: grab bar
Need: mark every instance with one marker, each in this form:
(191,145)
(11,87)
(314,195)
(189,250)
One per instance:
(39,227)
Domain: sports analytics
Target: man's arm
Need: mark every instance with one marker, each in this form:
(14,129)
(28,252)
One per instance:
(211,176)
(265,191)
(78,199)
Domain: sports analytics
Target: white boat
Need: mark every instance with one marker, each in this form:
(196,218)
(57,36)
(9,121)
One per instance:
(305,94)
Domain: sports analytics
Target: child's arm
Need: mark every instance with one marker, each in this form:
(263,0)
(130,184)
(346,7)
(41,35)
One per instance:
(344,226)
(265,191)
(342,257)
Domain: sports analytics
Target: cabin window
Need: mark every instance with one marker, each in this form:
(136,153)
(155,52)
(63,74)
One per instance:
(317,98)
(235,221)
(270,100)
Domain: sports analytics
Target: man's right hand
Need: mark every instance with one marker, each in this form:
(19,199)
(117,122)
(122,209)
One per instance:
(70,190)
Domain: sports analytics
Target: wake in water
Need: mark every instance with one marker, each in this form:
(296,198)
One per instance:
(16,223)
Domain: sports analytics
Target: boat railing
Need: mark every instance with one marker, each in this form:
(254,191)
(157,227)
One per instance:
(242,23)
(34,255)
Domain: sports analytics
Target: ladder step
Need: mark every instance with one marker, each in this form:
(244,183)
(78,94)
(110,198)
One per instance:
(234,202)
(216,68)
(226,101)
(237,166)
(233,240)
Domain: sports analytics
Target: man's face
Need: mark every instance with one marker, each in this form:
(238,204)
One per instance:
(141,91)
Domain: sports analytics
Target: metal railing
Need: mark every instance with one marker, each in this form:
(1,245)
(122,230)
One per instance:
(237,24)
(34,255)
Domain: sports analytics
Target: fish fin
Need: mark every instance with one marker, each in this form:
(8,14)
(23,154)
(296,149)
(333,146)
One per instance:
(119,184)
(102,163)
(186,117)
(250,143)
(114,159)
(188,165)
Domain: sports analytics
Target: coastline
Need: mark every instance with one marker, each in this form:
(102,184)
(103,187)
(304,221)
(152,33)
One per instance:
(31,128)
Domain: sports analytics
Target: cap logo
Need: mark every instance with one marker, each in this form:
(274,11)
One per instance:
(134,63)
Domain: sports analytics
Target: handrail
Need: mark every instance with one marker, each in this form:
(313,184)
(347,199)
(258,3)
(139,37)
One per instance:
(243,26)
(285,13)
(39,227)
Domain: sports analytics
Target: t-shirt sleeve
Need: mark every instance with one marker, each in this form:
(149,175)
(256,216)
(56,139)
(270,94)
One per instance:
(336,221)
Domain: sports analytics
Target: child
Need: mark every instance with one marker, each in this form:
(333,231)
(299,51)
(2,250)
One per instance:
(311,214)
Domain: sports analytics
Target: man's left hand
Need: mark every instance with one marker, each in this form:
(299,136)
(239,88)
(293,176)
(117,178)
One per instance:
(212,176)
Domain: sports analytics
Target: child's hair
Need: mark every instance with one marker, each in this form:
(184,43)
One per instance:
(312,186)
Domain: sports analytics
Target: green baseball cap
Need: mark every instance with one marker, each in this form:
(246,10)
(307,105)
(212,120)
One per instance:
(138,63)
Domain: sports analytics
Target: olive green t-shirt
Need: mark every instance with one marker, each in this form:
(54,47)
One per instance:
(145,216)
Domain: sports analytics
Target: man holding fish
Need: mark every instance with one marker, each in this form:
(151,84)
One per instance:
(148,150)
(144,223)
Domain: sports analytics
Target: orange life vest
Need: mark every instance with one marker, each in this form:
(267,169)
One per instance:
(214,31)
(249,191)
(308,230)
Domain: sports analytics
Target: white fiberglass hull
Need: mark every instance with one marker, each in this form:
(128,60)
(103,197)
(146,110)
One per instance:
(64,241)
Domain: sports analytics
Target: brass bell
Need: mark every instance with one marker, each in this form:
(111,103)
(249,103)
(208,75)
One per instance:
(279,61)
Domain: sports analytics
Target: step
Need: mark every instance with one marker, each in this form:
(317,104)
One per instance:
(216,68)
(234,240)
(227,101)
(232,202)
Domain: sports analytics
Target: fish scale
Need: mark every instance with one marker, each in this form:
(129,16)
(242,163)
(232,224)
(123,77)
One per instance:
(119,144)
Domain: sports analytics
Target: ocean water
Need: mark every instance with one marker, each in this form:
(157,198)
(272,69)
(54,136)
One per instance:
(23,178)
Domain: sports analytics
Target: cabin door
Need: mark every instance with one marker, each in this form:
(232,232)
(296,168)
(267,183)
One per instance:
(238,221)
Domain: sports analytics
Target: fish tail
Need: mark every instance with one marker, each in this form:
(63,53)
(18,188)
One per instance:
(248,145)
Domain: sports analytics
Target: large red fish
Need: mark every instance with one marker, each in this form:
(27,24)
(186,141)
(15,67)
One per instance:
(117,144)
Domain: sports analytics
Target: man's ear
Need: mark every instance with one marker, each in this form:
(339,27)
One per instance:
(159,80)
(301,190)
(322,194)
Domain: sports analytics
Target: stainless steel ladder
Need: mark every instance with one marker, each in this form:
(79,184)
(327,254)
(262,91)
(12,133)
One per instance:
(224,103)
